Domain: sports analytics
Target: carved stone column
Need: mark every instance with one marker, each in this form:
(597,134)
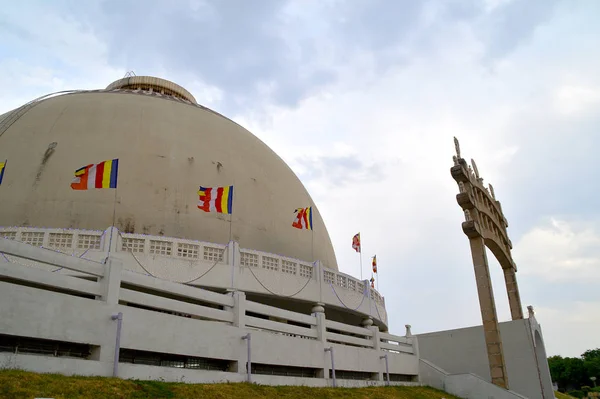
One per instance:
(493,341)
(514,298)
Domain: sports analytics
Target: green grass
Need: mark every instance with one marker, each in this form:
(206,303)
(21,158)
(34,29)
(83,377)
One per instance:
(16,384)
(559,395)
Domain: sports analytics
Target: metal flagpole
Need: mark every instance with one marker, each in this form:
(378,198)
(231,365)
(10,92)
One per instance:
(377,273)
(112,225)
(360,255)
(312,238)
(232,261)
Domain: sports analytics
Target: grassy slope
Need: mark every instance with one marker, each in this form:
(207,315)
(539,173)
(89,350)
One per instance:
(21,384)
(559,395)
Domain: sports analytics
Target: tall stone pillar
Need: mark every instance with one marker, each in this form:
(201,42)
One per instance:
(486,227)
(487,304)
(514,298)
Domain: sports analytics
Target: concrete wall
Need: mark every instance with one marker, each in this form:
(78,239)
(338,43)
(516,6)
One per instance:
(468,386)
(39,311)
(462,351)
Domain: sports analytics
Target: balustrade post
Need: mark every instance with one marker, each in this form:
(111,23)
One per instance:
(233,260)
(415,341)
(318,273)
(110,240)
(112,281)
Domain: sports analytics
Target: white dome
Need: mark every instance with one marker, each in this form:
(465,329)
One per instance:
(167,147)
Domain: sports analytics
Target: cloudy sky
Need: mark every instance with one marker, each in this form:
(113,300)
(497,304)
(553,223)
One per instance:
(362,98)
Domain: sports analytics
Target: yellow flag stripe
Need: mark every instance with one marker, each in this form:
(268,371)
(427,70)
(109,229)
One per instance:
(106,174)
(225,199)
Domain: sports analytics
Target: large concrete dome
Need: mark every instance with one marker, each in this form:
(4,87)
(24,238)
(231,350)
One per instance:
(167,147)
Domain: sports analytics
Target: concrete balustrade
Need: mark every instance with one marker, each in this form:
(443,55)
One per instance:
(219,266)
(167,317)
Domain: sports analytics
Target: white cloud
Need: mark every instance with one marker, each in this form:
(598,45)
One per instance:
(561,251)
(571,329)
(573,99)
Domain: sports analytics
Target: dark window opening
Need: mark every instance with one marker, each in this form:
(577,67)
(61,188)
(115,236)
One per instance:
(353,375)
(46,347)
(288,371)
(169,360)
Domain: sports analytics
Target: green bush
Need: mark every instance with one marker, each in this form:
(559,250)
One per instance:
(576,394)
(586,389)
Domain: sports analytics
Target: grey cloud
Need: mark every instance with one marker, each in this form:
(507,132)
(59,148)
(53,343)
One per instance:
(554,172)
(340,170)
(514,23)
(256,52)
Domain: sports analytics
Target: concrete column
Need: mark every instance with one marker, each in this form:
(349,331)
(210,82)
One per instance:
(415,340)
(232,258)
(318,274)
(377,347)
(239,315)
(239,309)
(319,312)
(487,304)
(514,297)
(112,281)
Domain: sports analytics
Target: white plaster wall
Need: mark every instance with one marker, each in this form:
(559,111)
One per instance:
(468,386)
(38,313)
(68,366)
(463,351)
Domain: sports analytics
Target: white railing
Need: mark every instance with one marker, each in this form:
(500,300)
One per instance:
(110,284)
(77,242)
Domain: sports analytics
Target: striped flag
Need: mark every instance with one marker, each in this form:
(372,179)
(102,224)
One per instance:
(2,167)
(100,175)
(356,242)
(372,282)
(375,264)
(216,199)
(303,218)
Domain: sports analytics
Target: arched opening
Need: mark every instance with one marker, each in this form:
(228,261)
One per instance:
(500,296)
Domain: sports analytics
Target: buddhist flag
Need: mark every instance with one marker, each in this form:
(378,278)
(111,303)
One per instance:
(372,282)
(101,175)
(356,242)
(303,218)
(2,167)
(375,264)
(216,199)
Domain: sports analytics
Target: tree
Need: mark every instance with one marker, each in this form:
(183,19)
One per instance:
(591,354)
(575,372)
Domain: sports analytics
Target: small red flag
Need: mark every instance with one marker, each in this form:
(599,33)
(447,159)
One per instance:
(356,242)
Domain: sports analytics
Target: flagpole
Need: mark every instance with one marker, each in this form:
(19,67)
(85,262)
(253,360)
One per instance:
(113,220)
(312,233)
(232,261)
(360,256)
(230,225)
